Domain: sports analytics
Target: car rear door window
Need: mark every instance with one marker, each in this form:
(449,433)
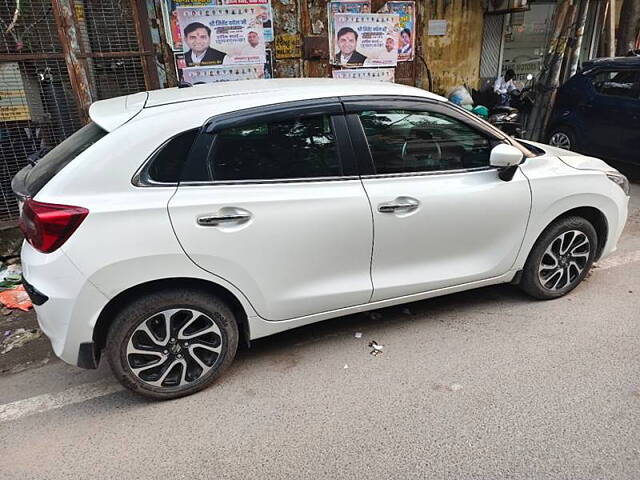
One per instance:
(291,149)
(403,141)
(625,83)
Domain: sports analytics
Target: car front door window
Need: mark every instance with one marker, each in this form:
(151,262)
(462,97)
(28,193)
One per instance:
(403,141)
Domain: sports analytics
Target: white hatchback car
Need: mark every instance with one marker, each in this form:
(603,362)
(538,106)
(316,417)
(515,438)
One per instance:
(181,221)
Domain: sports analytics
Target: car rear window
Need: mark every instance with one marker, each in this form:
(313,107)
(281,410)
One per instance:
(49,165)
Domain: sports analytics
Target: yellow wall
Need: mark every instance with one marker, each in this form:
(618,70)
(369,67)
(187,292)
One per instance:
(453,59)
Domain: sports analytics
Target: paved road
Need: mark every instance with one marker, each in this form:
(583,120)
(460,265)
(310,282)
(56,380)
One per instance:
(481,385)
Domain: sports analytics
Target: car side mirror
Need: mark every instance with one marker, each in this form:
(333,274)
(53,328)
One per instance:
(506,159)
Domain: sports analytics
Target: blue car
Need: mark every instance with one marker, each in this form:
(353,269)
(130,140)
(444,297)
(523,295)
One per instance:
(597,111)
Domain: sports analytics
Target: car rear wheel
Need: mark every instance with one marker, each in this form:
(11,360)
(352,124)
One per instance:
(560,259)
(562,137)
(172,343)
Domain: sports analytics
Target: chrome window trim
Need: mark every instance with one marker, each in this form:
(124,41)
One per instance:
(425,174)
(269,181)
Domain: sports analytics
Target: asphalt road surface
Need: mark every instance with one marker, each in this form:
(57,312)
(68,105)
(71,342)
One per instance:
(485,384)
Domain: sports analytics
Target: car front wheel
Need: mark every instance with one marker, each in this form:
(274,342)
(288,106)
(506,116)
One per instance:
(560,259)
(562,138)
(172,343)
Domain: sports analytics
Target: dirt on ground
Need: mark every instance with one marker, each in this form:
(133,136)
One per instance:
(35,352)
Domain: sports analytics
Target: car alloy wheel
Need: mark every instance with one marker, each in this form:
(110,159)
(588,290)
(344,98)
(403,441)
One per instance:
(564,260)
(174,348)
(560,140)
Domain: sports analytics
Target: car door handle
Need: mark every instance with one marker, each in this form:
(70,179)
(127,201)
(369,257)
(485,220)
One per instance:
(405,204)
(215,220)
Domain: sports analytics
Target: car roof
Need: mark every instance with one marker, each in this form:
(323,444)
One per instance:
(609,62)
(114,112)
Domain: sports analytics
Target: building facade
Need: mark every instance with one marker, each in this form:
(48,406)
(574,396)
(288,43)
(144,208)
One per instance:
(58,56)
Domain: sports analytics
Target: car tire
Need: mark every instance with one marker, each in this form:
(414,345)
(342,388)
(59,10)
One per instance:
(172,343)
(560,259)
(562,137)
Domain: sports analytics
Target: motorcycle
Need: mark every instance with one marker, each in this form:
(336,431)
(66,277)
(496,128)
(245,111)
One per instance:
(513,118)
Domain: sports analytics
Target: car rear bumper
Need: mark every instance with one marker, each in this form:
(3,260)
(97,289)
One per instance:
(66,304)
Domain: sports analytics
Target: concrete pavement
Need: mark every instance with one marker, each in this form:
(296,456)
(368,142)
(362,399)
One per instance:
(479,385)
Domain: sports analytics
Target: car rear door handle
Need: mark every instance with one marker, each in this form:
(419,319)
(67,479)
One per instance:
(215,220)
(404,204)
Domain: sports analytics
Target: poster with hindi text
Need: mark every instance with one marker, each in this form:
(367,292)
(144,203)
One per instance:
(373,74)
(365,40)
(223,73)
(343,6)
(407,13)
(264,15)
(223,35)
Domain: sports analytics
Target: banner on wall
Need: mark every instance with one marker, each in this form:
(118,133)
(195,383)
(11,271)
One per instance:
(199,75)
(365,39)
(224,35)
(266,68)
(407,14)
(374,74)
(343,6)
(263,12)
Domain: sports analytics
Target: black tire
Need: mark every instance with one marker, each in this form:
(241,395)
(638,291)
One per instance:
(537,282)
(214,315)
(563,132)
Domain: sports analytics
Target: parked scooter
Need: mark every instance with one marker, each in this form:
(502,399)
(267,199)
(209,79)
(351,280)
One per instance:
(510,119)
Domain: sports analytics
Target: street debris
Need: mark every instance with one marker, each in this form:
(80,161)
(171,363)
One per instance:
(375,316)
(18,338)
(376,348)
(16,297)
(10,276)
(358,334)
(441,387)
(346,366)
(6,311)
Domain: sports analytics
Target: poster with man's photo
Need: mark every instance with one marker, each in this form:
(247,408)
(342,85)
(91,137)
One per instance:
(170,16)
(407,13)
(365,40)
(344,6)
(263,14)
(373,74)
(225,35)
(199,75)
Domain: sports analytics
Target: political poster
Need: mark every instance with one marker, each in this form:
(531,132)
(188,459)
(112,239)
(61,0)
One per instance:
(223,35)
(407,13)
(365,40)
(343,6)
(170,16)
(373,74)
(200,75)
(264,15)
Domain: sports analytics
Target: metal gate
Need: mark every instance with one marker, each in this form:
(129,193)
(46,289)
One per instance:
(56,57)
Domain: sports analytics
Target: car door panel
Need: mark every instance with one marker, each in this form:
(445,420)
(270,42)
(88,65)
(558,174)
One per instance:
(306,248)
(452,220)
(294,246)
(469,226)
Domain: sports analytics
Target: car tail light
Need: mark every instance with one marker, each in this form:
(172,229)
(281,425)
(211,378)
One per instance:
(47,226)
